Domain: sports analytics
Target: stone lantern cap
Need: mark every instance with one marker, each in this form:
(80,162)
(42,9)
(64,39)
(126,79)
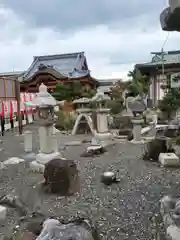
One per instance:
(43,98)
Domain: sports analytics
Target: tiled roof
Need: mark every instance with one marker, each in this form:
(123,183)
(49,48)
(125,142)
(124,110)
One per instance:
(15,73)
(168,58)
(70,65)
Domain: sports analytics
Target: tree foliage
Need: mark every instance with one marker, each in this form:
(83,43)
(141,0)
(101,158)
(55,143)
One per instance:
(138,84)
(72,91)
(171,101)
(117,90)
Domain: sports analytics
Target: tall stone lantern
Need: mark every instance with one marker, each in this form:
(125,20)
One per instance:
(44,117)
(137,107)
(102,112)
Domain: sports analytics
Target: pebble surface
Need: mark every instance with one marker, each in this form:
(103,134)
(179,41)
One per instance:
(122,211)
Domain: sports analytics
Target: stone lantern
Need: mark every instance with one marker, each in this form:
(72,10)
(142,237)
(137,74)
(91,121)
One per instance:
(82,106)
(137,107)
(44,117)
(102,112)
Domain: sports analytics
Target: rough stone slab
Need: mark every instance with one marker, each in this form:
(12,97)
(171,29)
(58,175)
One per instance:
(173,233)
(3,213)
(13,160)
(169,159)
(36,167)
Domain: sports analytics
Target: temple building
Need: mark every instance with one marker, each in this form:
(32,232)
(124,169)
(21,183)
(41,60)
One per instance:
(160,70)
(57,69)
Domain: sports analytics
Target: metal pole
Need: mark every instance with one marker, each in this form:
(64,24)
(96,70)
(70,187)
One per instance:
(17,82)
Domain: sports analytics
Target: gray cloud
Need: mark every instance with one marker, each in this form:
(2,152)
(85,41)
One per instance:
(68,15)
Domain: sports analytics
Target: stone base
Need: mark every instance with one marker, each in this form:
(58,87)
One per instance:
(103,139)
(169,160)
(137,142)
(37,167)
(103,136)
(43,158)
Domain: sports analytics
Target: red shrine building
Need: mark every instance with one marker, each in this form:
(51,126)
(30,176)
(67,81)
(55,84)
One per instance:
(57,69)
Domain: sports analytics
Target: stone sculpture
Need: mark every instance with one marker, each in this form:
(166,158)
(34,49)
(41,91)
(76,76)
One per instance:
(61,176)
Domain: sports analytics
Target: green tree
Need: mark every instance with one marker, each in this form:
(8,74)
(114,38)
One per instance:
(72,91)
(171,101)
(117,90)
(138,85)
(88,92)
(62,92)
(76,90)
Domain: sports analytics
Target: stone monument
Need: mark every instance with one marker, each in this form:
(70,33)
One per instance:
(102,136)
(102,112)
(137,107)
(44,117)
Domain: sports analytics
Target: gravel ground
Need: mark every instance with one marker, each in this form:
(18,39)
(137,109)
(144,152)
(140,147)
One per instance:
(122,211)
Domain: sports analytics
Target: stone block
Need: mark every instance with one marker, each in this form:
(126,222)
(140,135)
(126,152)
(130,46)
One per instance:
(169,159)
(173,232)
(3,213)
(44,158)
(36,167)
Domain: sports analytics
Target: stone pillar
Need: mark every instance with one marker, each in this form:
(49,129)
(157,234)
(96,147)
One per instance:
(28,141)
(102,120)
(45,139)
(55,142)
(137,126)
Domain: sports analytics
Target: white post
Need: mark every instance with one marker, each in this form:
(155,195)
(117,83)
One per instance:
(30,119)
(28,141)
(7,123)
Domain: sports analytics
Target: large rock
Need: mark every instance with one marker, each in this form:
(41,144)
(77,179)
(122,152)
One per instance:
(170,212)
(61,176)
(154,148)
(77,229)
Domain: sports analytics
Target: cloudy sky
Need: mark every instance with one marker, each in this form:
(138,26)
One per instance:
(115,34)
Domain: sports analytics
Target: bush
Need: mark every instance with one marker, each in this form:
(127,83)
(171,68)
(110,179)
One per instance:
(64,121)
(122,122)
(115,106)
(176,140)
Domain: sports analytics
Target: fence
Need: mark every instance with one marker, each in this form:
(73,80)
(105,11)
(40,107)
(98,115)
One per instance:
(9,113)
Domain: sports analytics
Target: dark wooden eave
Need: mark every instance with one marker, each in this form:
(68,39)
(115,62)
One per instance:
(46,71)
(148,68)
